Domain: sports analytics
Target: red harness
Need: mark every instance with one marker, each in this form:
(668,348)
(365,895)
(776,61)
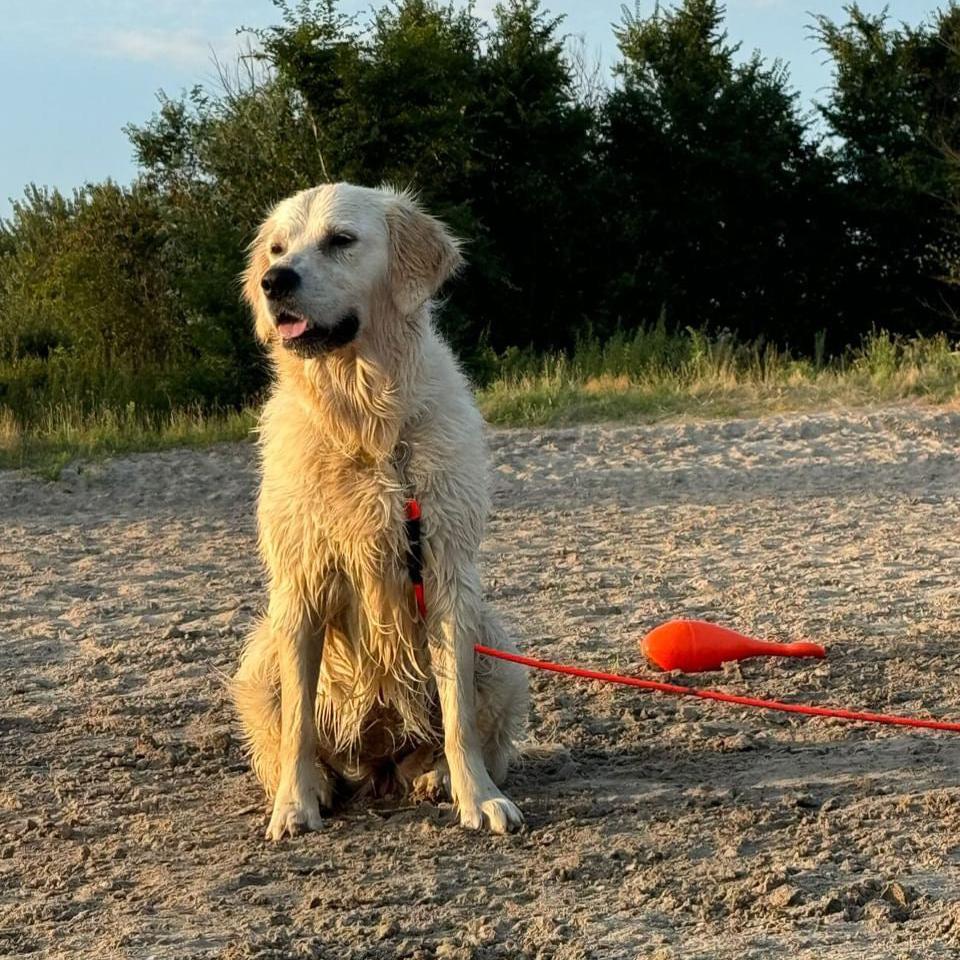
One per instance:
(415,555)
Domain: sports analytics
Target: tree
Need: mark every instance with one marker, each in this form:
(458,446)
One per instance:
(715,194)
(532,184)
(86,288)
(894,114)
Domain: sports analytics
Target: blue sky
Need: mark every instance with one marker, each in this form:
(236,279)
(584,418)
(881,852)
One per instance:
(73,72)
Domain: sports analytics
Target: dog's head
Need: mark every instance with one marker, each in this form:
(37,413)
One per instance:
(330,262)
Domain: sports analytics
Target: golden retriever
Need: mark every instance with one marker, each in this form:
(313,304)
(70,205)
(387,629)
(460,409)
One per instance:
(343,685)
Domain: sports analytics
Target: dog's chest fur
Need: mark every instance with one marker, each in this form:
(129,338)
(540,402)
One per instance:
(342,526)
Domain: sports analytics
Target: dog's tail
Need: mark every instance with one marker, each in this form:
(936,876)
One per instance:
(255,690)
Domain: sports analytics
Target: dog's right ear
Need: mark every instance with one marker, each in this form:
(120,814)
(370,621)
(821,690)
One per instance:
(258,262)
(423,253)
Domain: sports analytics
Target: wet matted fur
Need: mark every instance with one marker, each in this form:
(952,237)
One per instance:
(341,681)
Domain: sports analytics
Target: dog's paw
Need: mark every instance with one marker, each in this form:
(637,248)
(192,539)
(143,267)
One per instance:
(297,806)
(496,814)
(432,787)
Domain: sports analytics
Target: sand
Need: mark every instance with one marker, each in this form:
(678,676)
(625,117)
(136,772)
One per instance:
(130,825)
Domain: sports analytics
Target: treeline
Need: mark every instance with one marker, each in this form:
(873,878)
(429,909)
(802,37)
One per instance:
(690,189)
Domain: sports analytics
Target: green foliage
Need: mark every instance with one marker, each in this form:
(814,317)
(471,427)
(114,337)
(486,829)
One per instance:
(95,307)
(532,187)
(646,375)
(713,183)
(895,115)
(654,373)
(598,222)
(65,433)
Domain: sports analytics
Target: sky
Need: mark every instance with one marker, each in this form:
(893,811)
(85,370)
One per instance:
(74,72)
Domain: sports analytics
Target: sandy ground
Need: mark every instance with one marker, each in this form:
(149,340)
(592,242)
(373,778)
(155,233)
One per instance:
(657,828)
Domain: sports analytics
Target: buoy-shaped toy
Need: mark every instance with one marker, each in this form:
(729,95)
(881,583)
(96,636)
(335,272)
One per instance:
(694,645)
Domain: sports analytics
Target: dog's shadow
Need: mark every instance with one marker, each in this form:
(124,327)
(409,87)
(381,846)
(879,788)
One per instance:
(657,777)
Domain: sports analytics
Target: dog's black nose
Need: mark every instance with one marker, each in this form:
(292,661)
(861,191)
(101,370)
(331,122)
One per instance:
(277,282)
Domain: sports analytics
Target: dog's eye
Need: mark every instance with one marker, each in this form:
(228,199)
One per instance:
(340,240)
(276,249)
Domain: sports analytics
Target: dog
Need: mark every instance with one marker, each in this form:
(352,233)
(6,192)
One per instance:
(344,685)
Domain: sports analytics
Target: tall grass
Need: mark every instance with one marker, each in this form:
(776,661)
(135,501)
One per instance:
(65,433)
(652,373)
(646,375)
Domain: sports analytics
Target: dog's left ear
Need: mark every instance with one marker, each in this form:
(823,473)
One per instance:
(423,254)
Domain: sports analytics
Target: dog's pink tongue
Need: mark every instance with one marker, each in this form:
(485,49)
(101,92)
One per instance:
(290,331)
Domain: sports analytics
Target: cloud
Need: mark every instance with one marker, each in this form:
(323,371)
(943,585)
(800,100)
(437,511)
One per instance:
(181,48)
(484,9)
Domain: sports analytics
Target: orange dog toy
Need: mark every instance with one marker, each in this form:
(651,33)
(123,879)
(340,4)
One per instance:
(694,645)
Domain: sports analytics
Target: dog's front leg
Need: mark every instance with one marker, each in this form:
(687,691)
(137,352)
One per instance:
(453,632)
(304,787)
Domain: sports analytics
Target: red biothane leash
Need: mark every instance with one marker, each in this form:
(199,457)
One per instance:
(679,691)
(415,570)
